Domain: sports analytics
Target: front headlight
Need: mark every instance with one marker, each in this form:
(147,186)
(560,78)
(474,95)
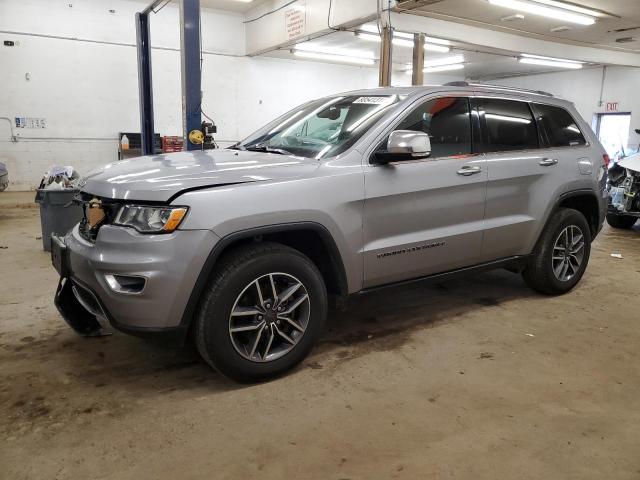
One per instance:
(146,219)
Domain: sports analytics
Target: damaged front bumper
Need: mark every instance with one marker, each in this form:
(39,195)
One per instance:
(139,284)
(81,310)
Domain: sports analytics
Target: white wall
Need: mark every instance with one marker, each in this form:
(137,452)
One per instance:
(582,87)
(88,91)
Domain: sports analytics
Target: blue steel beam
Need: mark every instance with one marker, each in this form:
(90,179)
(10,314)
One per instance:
(145,88)
(191,73)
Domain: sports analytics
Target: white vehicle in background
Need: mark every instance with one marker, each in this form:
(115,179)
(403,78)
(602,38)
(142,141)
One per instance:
(4,177)
(624,191)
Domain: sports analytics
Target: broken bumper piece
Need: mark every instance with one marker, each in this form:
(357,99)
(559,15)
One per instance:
(81,310)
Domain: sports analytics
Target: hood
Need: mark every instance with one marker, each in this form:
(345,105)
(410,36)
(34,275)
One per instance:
(632,162)
(161,177)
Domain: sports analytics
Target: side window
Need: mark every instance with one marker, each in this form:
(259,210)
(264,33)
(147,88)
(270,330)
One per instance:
(447,122)
(509,125)
(559,127)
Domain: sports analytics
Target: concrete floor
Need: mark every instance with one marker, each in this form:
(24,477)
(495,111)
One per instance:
(472,378)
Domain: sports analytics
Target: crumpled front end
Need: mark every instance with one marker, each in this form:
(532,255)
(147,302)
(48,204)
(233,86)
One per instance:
(134,282)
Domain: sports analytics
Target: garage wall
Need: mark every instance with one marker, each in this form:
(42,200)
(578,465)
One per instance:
(87,89)
(582,87)
(76,67)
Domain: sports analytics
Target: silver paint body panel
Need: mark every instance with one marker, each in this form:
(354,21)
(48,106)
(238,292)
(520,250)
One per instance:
(433,218)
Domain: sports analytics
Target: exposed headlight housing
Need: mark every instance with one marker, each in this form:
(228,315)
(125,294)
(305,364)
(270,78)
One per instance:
(150,219)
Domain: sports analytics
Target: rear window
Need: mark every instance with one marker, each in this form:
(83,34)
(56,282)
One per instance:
(509,125)
(558,127)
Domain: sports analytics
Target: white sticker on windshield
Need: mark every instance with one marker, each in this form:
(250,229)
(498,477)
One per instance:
(373,100)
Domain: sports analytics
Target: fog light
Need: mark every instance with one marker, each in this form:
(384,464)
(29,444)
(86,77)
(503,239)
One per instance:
(129,284)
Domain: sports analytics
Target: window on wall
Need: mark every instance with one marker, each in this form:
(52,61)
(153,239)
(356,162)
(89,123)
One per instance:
(559,129)
(509,125)
(447,122)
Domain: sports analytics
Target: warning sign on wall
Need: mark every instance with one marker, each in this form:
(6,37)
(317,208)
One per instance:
(294,21)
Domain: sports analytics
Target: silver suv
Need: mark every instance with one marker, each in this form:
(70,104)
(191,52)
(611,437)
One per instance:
(244,248)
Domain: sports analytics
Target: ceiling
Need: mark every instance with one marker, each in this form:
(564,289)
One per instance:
(231,5)
(479,65)
(621,18)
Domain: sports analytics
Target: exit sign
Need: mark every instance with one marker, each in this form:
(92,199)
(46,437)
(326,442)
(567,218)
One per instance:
(612,107)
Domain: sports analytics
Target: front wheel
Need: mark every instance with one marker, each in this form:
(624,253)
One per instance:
(561,255)
(621,221)
(262,312)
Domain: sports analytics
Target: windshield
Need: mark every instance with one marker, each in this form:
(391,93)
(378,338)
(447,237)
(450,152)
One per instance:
(322,128)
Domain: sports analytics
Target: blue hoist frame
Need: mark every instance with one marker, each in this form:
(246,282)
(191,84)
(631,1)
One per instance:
(190,53)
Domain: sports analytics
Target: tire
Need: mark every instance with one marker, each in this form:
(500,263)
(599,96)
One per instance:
(233,289)
(621,221)
(540,273)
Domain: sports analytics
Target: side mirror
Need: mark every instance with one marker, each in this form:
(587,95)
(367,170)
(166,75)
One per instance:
(404,145)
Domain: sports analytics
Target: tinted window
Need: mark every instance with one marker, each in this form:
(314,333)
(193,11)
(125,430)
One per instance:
(510,125)
(558,127)
(446,121)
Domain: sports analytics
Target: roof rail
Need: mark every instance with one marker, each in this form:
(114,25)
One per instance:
(500,87)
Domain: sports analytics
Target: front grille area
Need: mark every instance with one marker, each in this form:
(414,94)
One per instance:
(110,208)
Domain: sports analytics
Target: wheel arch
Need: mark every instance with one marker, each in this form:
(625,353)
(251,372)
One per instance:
(586,202)
(310,238)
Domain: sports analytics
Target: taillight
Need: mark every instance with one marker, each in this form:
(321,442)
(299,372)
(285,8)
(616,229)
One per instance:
(606,160)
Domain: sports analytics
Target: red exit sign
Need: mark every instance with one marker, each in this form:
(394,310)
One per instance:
(612,106)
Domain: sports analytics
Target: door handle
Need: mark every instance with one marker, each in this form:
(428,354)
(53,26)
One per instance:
(469,170)
(547,162)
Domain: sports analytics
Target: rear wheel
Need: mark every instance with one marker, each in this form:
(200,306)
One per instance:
(621,221)
(562,254)
(261,313)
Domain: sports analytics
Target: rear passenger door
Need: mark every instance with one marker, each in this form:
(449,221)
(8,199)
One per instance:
(525,174)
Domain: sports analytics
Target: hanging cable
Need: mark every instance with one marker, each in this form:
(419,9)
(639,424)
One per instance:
(272,11)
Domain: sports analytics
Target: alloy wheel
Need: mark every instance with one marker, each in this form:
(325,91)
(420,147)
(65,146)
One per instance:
(568,253)
(269,317)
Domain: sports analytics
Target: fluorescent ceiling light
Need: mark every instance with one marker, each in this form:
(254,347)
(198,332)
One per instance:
(444,61)
(573,8)
(439,41)
(333,58)
(553,59)
(348,52)
(431,43)
(550,63)
(370,37)
(453,62)
(444,68)
(558,11)
(367,27)
(402,42)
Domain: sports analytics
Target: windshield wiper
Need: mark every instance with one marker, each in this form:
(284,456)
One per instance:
(264,148)
(236,146)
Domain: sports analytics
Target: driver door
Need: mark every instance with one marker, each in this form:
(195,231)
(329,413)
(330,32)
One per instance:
(426,216)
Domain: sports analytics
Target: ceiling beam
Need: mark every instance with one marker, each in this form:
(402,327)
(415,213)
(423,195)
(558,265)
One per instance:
(492,39)
(266,24)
